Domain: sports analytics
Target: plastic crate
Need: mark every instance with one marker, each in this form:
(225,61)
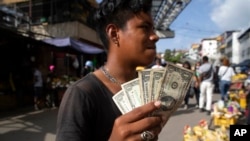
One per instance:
(243,103)
(223,121)
(233,96)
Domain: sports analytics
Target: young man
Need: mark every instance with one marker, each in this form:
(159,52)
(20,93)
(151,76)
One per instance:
(206,72)
(87,111)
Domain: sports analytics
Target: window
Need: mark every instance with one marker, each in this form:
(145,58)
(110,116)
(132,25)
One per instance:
(243,53)
(245,37)
(248,50)
(229,54)
(229,44)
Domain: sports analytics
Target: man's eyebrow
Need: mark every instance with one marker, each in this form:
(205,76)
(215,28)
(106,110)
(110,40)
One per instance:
(148,23)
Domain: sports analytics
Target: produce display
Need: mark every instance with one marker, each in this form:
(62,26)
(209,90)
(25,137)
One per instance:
(237,92)
(239,96)
(225,114)
(239,77)
(201,132)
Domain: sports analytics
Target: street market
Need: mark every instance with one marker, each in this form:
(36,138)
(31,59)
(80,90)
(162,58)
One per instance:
(59,46)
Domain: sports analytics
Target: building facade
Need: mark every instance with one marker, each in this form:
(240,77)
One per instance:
(194,52)
(244,45)
(209,48)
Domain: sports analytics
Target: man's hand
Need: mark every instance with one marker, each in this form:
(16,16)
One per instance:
(130,125)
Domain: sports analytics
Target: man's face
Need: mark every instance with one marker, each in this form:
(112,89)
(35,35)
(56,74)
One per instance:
(138,40)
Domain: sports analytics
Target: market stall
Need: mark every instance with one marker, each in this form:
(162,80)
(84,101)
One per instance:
(237,90)
(225,114)
(231,112)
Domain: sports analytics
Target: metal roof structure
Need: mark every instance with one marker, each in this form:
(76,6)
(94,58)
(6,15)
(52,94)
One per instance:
(164,13)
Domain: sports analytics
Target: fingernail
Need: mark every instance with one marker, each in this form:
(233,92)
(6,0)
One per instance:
(157,103)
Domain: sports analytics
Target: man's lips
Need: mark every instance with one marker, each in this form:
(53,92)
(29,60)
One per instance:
(151,47)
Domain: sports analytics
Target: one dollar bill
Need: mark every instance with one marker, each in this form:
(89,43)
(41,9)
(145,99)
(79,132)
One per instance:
(122,102)
(156,76)
(144,79)
(173,89)
(132,90)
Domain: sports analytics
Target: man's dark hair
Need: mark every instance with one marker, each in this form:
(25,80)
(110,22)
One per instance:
(205,59)
(188,64)
(117,12)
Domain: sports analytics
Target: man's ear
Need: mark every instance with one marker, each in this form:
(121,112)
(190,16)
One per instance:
(112,32)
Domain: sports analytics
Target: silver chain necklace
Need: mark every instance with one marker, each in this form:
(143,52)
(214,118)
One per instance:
(110,77)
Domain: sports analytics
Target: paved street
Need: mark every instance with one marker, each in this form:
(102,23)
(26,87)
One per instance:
(29,125)
(173,130)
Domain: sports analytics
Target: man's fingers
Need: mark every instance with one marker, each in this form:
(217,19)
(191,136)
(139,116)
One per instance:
(138,120)
(141,112)
(147,123)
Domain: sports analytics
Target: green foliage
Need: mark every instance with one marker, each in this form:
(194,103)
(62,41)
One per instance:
(167,55)
(173,56)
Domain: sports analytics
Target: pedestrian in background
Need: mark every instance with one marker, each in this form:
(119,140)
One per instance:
(187,65)
(196,68)
(51,96)
(87,111)
(196,89)
(88,67)
(225,74)
(206,76)
(217,80)
(247,112)
(157,64)
(38,86)
(197,83)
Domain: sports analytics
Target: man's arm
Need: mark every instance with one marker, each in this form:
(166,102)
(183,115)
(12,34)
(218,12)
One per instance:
(200,78)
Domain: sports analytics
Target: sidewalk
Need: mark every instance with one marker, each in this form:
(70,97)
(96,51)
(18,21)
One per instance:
(30,125)
(16,112)
(26,124)
(173,130)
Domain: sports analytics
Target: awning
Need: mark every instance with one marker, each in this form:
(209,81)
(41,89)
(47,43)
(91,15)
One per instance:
(75,44)
(245,63)
(164,12)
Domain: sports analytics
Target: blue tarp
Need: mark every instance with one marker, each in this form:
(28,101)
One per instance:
(245,63)
(75,44)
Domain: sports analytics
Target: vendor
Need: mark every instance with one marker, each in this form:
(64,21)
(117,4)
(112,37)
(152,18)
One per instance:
(247,81)
(248,108)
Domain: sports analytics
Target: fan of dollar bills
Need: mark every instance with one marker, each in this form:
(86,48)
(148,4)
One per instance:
(169,85)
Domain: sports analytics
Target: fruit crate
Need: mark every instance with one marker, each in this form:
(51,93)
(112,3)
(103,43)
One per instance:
(224,121)
(240,97)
